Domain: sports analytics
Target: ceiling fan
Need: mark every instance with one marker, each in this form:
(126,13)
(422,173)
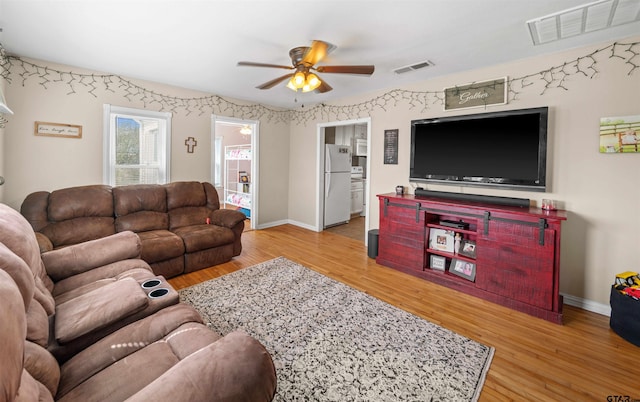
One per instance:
(304,60)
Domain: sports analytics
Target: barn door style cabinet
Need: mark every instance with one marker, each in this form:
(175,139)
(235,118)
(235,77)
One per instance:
(515,257)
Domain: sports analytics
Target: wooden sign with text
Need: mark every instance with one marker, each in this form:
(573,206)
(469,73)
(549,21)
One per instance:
(391,147)
(476,94)
(57,130)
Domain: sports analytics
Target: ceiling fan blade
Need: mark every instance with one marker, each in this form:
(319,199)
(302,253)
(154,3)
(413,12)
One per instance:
(274,82)
(324,87)
(318,50)
(365,70)
(253,64)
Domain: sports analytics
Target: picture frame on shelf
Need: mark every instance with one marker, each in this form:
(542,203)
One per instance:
(437,262)
(464,269)
(243,177)
(467,248)
(442,240)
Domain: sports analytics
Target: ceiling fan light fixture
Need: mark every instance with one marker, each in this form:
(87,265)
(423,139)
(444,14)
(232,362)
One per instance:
(313,81)
(305,81)
(303,59)
(299,79)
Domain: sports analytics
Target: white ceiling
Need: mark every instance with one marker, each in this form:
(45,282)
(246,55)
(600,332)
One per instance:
(196,44)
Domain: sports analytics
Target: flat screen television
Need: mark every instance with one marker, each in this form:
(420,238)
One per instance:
(506,149)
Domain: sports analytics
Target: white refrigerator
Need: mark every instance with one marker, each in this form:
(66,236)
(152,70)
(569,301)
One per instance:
(337,184)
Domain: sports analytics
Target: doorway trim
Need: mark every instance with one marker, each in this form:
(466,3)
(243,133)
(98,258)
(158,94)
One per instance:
(320,171)
(255,178)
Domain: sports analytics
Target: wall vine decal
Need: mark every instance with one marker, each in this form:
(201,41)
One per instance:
(552,78)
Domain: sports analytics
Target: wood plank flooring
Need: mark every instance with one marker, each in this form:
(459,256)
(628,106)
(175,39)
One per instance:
(354,229)
(582,360)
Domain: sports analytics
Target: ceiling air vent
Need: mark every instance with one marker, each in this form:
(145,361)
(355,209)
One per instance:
(413,67)
(587,18)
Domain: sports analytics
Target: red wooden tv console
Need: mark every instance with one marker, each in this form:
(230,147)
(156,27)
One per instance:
(517,250)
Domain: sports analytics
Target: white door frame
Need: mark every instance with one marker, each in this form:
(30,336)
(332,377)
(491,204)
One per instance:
(255,178)
(320,171)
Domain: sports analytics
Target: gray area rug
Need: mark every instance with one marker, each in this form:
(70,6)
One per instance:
(330,342)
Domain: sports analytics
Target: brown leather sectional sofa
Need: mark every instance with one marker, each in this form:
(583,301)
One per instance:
(92,322)
(180,224)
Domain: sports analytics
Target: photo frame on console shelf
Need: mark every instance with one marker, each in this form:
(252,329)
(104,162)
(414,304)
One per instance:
(440,239)
(467,248)
(437,262)
(464,269)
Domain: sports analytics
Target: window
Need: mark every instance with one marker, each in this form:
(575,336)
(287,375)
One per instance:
(137,146)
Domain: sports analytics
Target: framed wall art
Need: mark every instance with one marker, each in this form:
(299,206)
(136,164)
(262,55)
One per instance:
(57,130)
(620,134)
(476,94)
(391,147)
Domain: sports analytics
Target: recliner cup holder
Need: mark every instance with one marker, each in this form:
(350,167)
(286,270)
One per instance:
(151,283)
(154,294)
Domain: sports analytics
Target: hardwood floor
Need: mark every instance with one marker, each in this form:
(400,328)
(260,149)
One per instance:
(354,229)
(582,360)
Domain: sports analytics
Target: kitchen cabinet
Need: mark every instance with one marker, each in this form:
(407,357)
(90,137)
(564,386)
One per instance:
(360,132)
(357,197)
(344,135)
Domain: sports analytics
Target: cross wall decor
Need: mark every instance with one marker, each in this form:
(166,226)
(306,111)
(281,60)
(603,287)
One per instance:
(191,144)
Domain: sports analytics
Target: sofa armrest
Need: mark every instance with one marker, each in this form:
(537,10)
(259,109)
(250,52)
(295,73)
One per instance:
(227,218)
(82,257)
(43,242)
(234,368)
(98,309)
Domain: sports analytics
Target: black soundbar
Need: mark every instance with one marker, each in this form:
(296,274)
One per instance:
(491,199)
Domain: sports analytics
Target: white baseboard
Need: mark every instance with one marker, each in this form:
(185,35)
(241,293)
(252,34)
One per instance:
(588,305)
(303,225)
(285,222)
(271,224)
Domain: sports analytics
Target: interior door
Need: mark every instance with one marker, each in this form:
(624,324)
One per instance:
(227,131)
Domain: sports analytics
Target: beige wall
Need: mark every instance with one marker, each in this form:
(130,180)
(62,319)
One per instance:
(600,191)
(34,163)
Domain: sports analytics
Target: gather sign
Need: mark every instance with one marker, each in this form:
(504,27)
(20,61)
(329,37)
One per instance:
(476,94)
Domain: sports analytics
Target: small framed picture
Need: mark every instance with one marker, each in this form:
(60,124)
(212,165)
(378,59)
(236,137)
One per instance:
(463,268)
(440,239)
(467,248)
(243,177)
(437,262)
(57,130)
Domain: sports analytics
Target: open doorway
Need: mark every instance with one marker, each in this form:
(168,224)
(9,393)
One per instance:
(334,138)
(234,164)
